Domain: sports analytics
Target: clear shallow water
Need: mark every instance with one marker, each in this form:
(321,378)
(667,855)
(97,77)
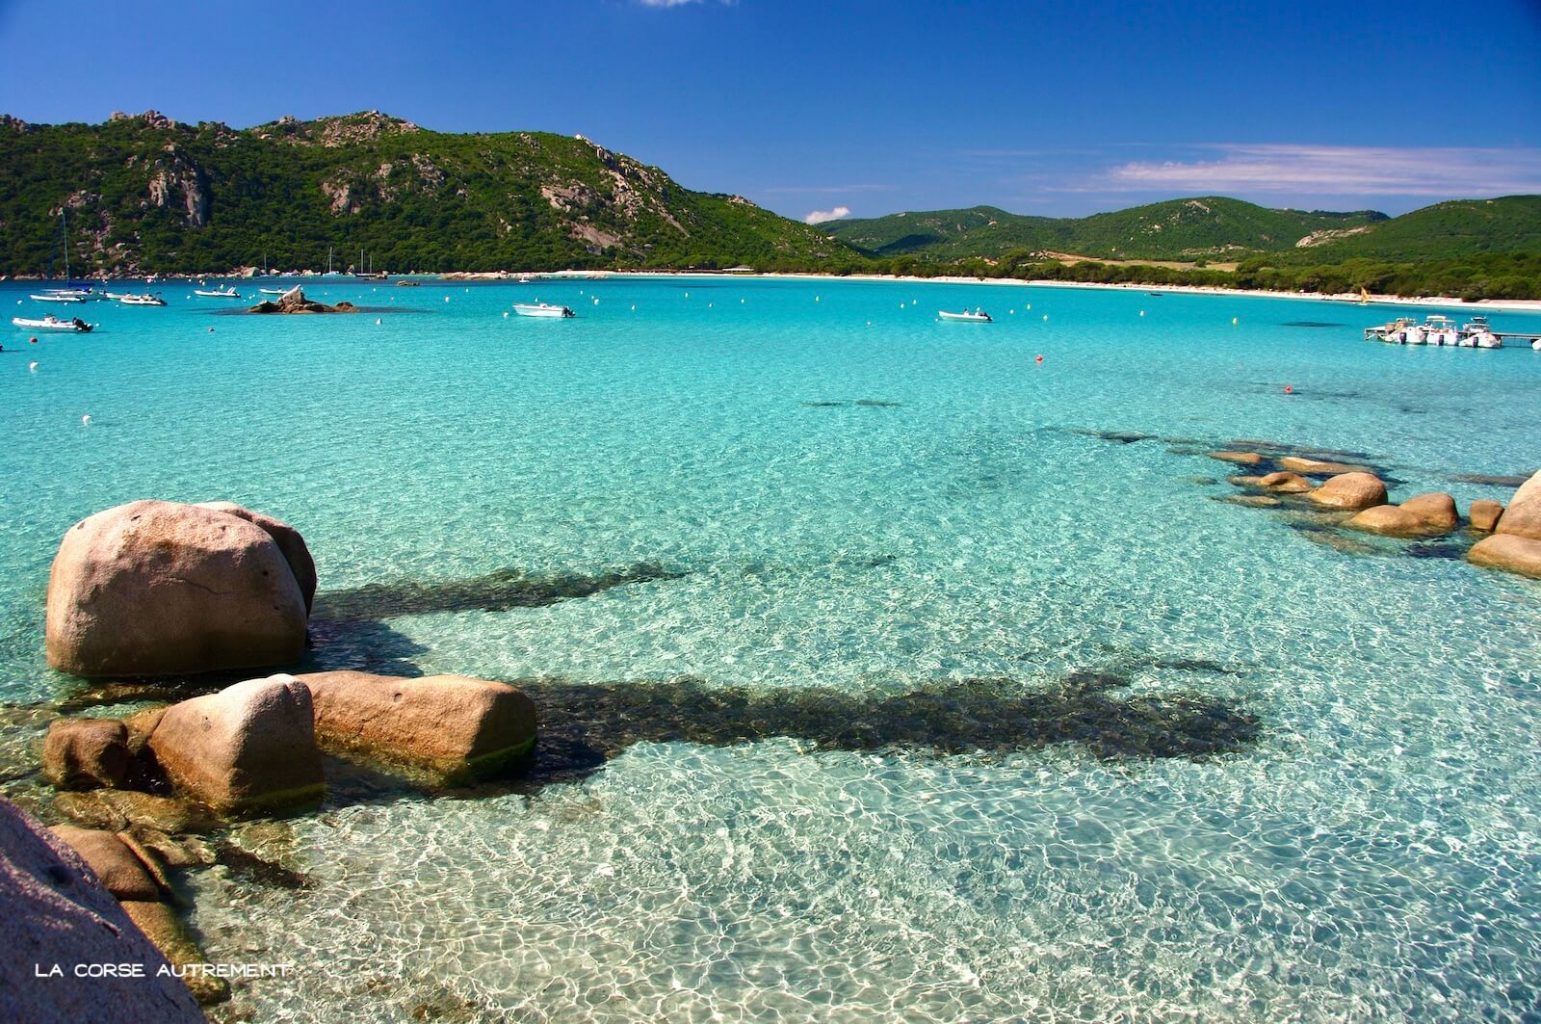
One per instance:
(1371,855)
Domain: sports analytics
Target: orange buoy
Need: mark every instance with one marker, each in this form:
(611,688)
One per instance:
(33,339)
(1288,389)
(1038,359)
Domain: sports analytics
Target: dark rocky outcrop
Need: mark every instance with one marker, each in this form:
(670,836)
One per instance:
(294,301)
(159,588)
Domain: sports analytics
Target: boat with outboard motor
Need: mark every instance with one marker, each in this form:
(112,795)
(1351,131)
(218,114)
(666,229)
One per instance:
(53,323)
(542,309)
(142,300)
(978,316)
(217,293)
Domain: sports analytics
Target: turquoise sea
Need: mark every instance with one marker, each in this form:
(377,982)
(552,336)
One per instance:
(883,684)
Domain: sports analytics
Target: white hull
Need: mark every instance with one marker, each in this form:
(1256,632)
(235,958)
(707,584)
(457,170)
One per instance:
(142,300)
(966,317)
(52,323)
(231,294)
(543,310)
(57,298)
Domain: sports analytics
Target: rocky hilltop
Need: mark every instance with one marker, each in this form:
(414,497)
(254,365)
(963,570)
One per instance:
(145,193)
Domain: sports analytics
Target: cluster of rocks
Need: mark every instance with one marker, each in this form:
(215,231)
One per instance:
(294,301)
(1511,537)
(156,588)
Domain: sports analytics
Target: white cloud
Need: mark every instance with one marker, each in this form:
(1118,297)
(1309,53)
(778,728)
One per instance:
(1336,170)
(820,216)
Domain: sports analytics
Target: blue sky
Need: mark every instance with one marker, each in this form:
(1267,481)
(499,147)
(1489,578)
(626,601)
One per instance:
(1057,108)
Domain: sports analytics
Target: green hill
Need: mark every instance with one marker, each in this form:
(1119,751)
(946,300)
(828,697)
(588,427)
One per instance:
(1178,229)
(148,194)
(1454,230)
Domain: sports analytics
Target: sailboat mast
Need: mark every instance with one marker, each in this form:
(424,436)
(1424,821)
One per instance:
(64,221)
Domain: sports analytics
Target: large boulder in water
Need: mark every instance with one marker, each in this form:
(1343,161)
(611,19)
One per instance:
(249,748)
(113,861)
(1484,514)
(454,728)
(288,539)
(1523,516)
(159,588)
(55,912)
(1350,491)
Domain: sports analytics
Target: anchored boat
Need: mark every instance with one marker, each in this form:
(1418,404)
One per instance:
(53,323)
(542,309)
(142,300)
(217,293)
(978,316)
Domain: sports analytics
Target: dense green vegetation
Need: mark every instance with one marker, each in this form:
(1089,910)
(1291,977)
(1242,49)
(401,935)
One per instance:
(146,194)
(1179,229)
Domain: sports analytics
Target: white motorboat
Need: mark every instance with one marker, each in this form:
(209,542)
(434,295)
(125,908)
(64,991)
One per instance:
(272,291)
(1440,331)
(217,293)
(53,323)
(60,295)
(542,309)
(978,316)
(142,300)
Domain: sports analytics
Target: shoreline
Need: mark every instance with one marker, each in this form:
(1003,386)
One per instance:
(1340,298)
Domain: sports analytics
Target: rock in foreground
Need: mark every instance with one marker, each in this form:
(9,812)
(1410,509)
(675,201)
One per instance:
(159,588)
(455,728)
(249,748)
(56,913)
(1508,552)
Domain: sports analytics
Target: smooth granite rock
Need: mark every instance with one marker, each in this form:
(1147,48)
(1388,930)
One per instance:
(250,748)
(1484,514)
(1428,515)
(288,539)
(1508,552)
(1239,458)
(1285,483)
(1317,467)
(114,862)
(56,913)
(85,753)
(456,728)
(1350,491)
(157,588)
(1523,516)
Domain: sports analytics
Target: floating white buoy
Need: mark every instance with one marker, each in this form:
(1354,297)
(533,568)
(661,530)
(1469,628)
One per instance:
(1142,312)
(742,301)
(687,295)
(815,298)
(1027,307)
(1234,320)
(211,330)
(596,300)
(633,307)
(85,421)
(505,315)
(446,298)
(32,366)
(709,305)
(377,320)
(1013,312)
(1046,316)
(18,302)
